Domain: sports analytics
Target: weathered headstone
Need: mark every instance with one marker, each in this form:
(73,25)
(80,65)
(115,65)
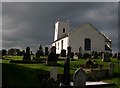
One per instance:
(53,73)
(79,79)
(27,55)
(95,55)
(52,57)
(118,56)
(71,55)
(89,64)
(111,69)
(106,57)
(41,51)
(66,73)
(63,53)
(46,51)
(115,55)
(80,53)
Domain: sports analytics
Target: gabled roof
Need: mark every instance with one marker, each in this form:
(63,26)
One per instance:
(66,35)
(107,39)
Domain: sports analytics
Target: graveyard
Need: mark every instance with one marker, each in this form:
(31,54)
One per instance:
(38,71)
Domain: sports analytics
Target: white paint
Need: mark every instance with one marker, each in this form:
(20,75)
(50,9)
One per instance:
(59,44)
(59,26)
(76,38)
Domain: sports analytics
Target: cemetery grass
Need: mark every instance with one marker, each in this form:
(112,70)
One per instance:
(25,75)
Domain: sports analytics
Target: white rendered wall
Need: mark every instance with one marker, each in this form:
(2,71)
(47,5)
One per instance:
(65,45)
(59,29)
(76,39)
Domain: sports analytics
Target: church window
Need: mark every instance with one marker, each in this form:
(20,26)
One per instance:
(61,44)
(87,43)
(63,30)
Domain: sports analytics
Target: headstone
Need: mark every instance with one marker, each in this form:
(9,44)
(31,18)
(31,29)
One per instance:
(86,55)
(80,53)
(79,79)
(106,57)
(118,56)
(40,51)
(95,55)
(115,55)
(53,73)
(111,69)
(37,54)
(52,57)
(46,51)
(89,64)
(63,53)
(66,73)
(71,55)
(26,55)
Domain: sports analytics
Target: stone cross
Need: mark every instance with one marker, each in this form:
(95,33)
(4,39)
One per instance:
(79,79)
(53,73)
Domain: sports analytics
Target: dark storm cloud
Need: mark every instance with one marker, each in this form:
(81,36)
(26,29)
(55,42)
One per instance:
(31,24)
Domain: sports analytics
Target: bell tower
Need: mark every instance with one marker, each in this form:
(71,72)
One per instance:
(61,29)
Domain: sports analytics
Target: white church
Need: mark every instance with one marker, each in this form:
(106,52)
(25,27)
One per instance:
(85,36)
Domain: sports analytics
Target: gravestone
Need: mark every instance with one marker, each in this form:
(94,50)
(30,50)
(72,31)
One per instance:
(79,79)
(53,73)
(40,51)
(63,53)
(111,69)
(95,55)
(118,56)
(71,55)
(115,55)
(89,64)
(80,53)
(37,54)
(66,73)
(52,57)
(106,57)
(26,55)
(46,51)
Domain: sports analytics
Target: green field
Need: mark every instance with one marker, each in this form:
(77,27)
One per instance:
(25,75)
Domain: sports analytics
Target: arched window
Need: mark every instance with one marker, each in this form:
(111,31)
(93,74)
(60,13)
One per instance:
(87,43)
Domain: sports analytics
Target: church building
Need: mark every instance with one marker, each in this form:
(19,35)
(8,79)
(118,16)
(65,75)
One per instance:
(85,36)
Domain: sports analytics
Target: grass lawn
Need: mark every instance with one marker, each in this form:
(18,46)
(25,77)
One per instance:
(25,75)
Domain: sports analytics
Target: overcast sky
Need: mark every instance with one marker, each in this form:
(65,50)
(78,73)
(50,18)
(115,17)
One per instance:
(32,23)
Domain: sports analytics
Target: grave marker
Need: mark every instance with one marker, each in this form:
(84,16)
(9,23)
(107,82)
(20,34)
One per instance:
(53,73)
(79,79)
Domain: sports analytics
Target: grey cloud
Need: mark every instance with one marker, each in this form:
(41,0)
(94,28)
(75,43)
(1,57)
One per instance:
(31,23)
